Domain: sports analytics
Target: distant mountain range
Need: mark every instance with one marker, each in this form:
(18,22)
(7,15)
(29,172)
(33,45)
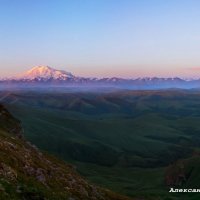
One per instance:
(45,75)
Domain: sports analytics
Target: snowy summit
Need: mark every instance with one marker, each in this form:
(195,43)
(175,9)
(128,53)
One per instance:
(45,72)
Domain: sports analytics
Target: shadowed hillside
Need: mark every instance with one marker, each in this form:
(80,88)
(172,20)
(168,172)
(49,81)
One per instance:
(26,173)
(127,141)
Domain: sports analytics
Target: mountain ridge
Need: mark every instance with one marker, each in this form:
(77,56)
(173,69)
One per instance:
(45,75)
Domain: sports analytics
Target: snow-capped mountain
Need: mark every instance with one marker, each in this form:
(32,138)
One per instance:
(44,73)
(47,76)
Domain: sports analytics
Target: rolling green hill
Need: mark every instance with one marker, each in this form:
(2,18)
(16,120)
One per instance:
(26,173)
(123,140)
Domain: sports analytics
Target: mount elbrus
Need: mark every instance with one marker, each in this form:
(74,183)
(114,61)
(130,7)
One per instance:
(45,75)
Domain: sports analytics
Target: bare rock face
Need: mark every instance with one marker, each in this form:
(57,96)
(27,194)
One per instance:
(175,175)
(184,172)
(26,173)
(8,172)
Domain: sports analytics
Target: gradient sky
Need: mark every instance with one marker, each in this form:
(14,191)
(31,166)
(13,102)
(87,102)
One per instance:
(126,38)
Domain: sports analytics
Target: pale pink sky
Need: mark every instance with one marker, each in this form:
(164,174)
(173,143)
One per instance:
(101,38)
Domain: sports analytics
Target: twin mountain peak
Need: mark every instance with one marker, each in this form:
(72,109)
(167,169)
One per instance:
(45,72)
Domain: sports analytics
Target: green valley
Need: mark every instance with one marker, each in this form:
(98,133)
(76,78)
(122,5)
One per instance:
(128,141)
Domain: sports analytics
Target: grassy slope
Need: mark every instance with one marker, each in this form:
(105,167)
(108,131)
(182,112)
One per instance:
(123,139)
(26,173)
(132,142)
